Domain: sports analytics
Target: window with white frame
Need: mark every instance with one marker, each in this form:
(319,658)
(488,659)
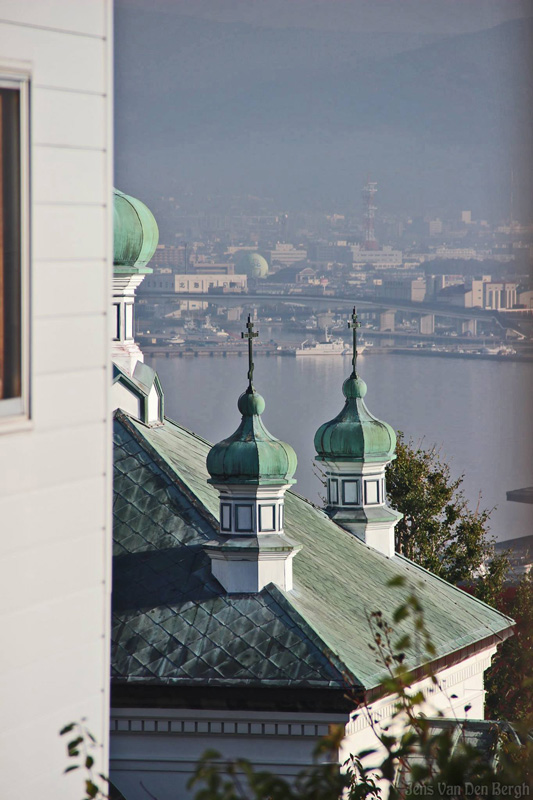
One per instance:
(350,492)
(14,265)
(371,492)
(243,520)
(225,516)
(333,491)
(128,321)
(116,307)
(267,518)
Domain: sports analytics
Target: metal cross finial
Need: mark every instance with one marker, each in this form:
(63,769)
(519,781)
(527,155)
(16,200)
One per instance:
(250,336)
(354,324)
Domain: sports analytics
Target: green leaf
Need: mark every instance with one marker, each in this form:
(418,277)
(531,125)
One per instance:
(91,789)
(67,729)
(398,580)
(71,768)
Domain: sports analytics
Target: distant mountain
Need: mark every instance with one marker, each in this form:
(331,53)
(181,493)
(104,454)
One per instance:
(303,115)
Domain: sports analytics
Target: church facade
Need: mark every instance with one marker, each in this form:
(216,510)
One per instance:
(240,609)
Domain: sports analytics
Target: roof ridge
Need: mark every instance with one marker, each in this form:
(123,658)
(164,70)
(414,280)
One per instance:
(165,466)
(307,629)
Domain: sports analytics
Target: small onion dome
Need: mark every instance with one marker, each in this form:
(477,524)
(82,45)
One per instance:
(251,455)
(253,265)
(135,234)
(354,434)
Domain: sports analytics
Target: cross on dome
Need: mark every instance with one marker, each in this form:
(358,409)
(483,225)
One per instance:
(250,335)
(354,324)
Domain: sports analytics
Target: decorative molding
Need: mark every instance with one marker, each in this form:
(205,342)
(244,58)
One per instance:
(211,727)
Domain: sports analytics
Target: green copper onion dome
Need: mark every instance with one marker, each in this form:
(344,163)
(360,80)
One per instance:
(251,455)
(135,234)
(253,265)
(354,434)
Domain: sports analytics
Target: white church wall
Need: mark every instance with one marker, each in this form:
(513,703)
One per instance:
(160,747)
(55,470)
(459,686)
(122,397)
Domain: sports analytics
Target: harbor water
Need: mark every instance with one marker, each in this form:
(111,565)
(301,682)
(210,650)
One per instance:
(478,413)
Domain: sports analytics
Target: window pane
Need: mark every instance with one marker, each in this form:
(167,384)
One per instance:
(333,492)
(266,518)
(225,522)
(244,518)
(372,493)
(10,247)
(129,320)
(116,306)
(349,489)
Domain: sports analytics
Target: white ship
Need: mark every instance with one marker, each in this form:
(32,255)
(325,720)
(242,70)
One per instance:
(329,347)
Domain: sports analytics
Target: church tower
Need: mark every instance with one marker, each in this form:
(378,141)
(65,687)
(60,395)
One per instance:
(251,470)
(136,387)
(134,242)
(355,449)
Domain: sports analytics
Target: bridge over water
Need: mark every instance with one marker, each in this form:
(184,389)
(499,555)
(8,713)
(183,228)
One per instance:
(426,310)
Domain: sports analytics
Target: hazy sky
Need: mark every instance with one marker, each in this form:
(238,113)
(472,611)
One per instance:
(298,100)
(404,16)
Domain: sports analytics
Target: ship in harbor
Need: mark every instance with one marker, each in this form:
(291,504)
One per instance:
(328,347)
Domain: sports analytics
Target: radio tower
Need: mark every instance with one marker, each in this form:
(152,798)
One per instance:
(369,192)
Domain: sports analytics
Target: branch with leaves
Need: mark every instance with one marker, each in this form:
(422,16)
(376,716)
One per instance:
(80,749)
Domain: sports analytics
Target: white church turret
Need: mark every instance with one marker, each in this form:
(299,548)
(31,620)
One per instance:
(135,238)
(354,449)
(251,471)
(136,387)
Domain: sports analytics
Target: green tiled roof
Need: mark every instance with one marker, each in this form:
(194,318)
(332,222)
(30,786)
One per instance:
(173,623)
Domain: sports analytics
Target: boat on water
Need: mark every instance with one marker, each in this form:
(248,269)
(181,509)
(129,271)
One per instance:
(328,347)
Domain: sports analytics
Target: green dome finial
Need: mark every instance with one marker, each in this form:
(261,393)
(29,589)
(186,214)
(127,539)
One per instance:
(251,455)
(135,234)
(355,434)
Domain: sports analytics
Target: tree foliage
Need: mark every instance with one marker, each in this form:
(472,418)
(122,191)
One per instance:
(509,681)
(413,758)
(438,529)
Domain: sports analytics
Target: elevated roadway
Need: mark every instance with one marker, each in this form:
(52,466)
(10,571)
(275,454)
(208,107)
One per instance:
(378,303)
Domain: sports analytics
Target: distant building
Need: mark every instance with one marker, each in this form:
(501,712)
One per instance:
(466,217)
(201,268)
(330,253)
(169,256)
(380,259)
(435,227)
(190,284)
(287,255)
(193,283)
(500,295)
(465,253)
(481,292)
(411,289)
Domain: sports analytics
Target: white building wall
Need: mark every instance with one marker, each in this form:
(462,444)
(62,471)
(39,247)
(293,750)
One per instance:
(460,693)
(160,747)
(55,472)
